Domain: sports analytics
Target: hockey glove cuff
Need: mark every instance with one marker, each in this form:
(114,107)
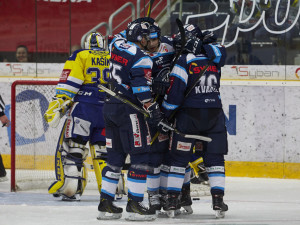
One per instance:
(155,115)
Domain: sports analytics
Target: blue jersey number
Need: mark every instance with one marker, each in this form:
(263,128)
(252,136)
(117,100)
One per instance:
(97,76)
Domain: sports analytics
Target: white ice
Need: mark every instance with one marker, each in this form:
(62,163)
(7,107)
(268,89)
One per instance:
(251,201)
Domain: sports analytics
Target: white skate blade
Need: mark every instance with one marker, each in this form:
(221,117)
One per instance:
(109,216)
(219,214)
(187,210)
(137,217)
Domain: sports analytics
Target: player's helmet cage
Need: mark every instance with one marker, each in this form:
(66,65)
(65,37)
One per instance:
(95,40)
(155,31)
(136,31)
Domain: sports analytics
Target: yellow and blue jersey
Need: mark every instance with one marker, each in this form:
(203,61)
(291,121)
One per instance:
(82,72)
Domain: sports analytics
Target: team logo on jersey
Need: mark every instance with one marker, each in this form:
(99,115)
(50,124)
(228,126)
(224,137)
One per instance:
(64,75)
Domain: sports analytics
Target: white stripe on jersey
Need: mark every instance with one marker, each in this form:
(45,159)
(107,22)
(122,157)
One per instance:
(180,72)
(144,62)
(75,80)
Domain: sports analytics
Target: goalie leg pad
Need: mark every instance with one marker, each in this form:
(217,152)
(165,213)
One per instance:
(99,154)
(71,170)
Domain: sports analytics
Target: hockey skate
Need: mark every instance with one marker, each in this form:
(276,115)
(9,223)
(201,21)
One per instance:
(108,211)
(154,201)
(219,206)
(186,201)
(172,206)
(75,197)
(138,212)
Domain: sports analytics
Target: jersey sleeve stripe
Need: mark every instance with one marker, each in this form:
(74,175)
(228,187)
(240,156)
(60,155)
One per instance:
(140,89)
(169,106)
(75,80)
(65,92)
(180,73)
(217,52)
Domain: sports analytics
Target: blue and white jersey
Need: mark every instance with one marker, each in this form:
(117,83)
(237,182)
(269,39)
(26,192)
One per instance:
(163,57)
(184,74)
(131,69)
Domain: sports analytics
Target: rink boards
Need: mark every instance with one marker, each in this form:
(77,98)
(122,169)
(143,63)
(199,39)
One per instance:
(262,118)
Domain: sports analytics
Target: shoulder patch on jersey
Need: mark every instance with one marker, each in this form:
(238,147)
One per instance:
(64,75)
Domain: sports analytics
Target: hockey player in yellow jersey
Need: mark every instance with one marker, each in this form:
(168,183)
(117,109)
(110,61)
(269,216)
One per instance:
(77,95)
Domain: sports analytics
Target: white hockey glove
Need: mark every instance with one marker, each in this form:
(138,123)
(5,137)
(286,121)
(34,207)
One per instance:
(56,109)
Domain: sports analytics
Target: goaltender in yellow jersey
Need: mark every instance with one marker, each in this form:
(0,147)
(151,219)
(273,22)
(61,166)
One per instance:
(77,93)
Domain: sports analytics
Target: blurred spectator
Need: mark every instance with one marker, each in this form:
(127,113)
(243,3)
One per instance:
(22,54)
(2,59)
(74,48)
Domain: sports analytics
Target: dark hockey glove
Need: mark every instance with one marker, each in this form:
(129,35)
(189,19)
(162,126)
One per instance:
(209,37)
(160,85)
(193,45)
(155,115)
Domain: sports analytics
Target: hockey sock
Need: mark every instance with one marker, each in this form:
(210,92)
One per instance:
(110,181)
(216,175)
(164,171)
(153,180)
(175,179)
(136,180)
(187,176)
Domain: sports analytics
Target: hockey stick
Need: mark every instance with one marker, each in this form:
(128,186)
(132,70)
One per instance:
(183,42)
(186,95)
(146,114)
(150,7)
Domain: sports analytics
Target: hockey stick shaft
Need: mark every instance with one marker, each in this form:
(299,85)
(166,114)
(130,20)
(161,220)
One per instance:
(150,8)
(124,100)
(146,114)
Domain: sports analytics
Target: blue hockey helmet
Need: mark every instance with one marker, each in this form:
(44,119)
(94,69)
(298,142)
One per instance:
(136,31)
(155,31)
(192,30)
(95,40)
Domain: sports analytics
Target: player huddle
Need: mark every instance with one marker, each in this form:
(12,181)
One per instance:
(163,101)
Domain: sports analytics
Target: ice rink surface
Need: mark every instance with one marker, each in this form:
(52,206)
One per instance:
(250,200)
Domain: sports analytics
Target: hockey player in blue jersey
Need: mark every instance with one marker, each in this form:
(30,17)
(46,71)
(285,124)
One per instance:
(161,51)
(127,130)
(200,113)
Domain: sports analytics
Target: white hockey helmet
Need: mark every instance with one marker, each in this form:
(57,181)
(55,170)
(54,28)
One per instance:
(95,40)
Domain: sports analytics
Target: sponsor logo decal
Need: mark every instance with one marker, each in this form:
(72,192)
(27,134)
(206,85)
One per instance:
(183,146)
(64,75)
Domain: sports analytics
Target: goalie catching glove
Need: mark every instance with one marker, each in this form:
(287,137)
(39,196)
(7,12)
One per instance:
(56,109)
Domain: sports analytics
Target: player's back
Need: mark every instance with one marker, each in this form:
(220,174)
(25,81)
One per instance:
(129,67)
(91,65)
(187,70)
(84,70)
